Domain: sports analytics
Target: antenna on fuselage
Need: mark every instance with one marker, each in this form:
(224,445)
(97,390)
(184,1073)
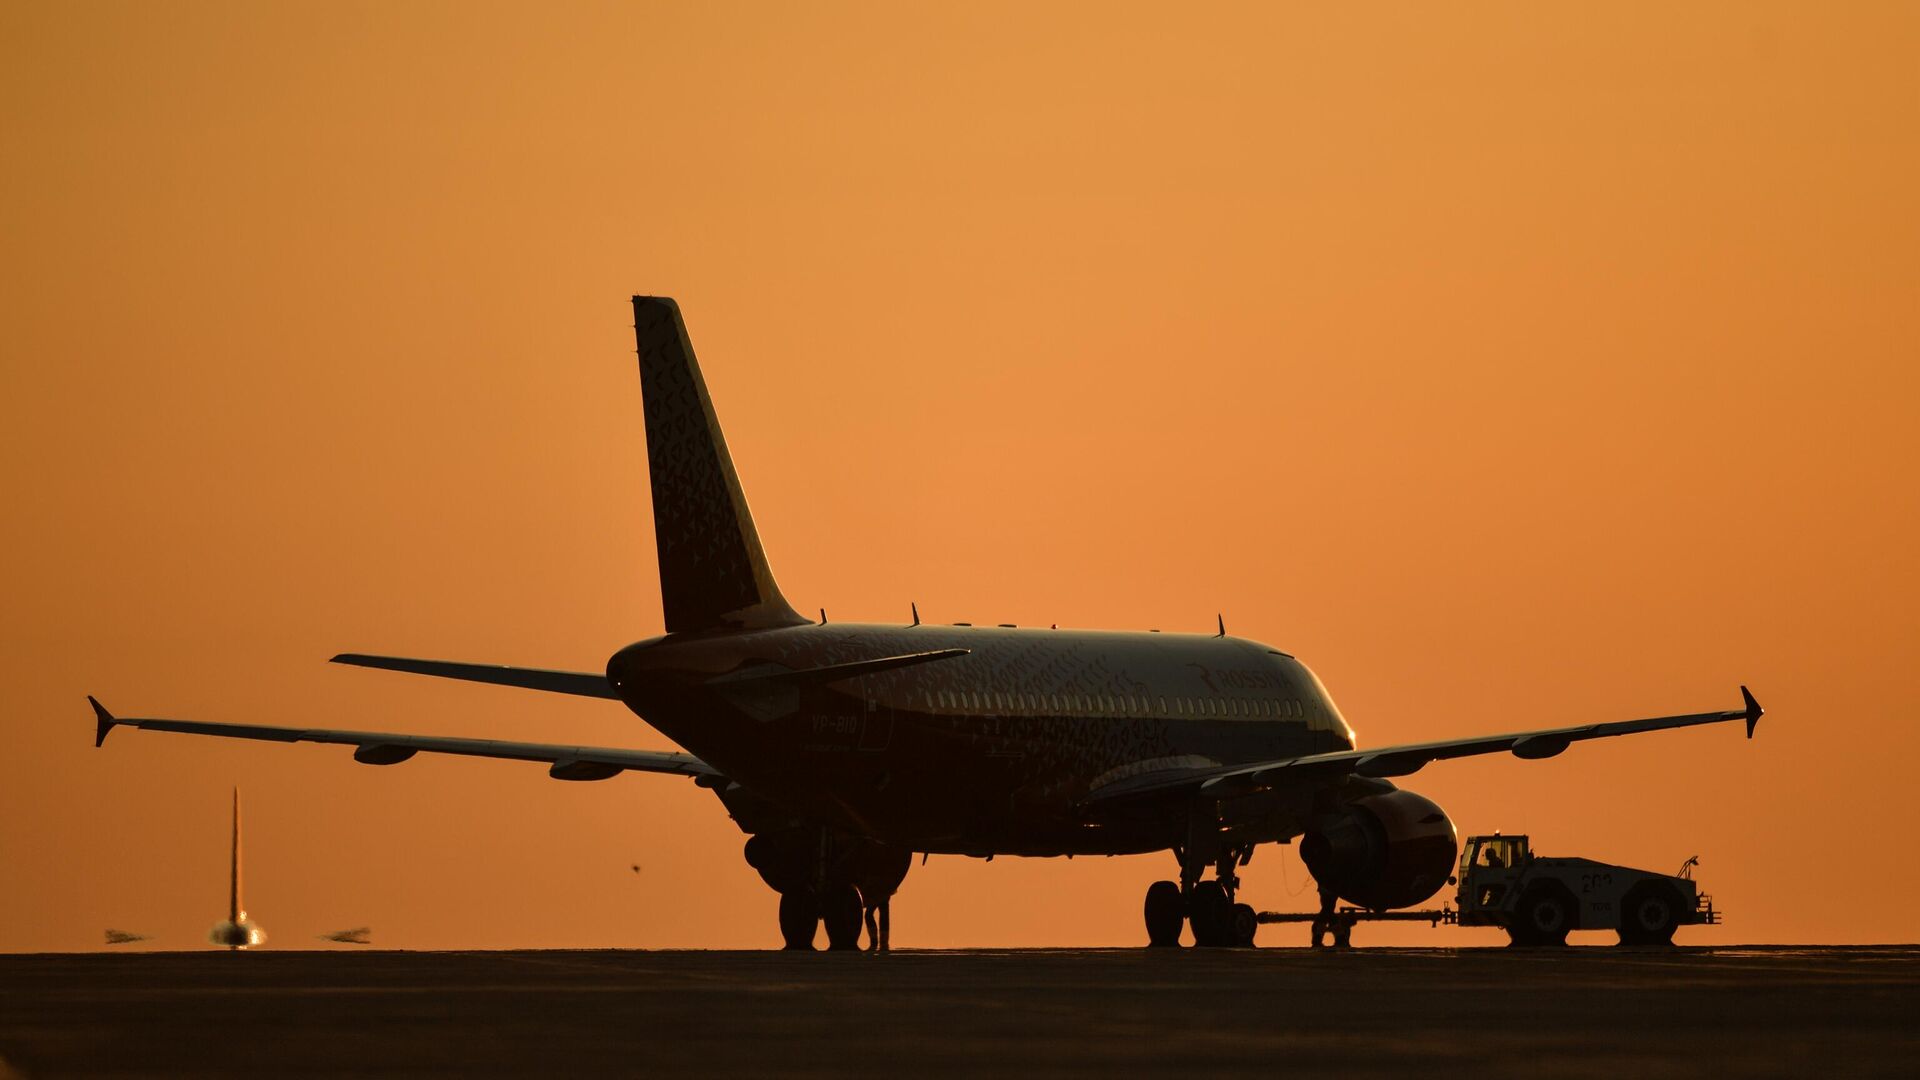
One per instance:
(916,612)
(823,616)
(1222,619)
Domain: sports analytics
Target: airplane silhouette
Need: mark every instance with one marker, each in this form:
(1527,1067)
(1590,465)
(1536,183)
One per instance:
(842,749)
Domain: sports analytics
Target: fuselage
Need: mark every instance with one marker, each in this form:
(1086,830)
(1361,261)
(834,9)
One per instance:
(987,753)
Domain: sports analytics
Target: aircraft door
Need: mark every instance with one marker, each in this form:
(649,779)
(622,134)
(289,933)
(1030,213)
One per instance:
(876,728)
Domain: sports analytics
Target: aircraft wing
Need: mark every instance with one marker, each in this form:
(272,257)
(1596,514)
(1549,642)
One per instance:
(1386,761)
(384,748)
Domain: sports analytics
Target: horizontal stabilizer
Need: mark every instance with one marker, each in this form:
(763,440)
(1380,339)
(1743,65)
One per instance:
(578,683)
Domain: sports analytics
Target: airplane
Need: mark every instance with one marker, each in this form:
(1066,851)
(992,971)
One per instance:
(123,937)
(236,931)
(843,749)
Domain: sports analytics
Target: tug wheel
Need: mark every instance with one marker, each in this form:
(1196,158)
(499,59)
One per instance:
(1650,914)
(1543,917)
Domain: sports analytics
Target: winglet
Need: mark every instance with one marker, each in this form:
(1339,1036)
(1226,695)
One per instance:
(1754,711)
(104,720)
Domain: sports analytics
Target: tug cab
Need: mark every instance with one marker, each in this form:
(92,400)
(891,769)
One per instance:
(1489,865)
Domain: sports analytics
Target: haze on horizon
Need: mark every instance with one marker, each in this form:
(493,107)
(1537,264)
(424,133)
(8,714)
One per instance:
(1510,366)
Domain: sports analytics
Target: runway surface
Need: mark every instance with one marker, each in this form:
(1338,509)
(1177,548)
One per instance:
(1601,1012)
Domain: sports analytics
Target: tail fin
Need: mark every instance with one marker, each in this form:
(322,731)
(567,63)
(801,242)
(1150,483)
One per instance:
(713,573)
(234,911)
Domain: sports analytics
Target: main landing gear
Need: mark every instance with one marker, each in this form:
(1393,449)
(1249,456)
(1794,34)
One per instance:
(1208,906)
(829,880)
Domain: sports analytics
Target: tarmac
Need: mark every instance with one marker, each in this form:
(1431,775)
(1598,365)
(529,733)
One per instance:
(1599,1011)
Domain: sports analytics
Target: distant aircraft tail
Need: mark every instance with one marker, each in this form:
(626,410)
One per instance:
(236,931)
(713,572)
(235,912)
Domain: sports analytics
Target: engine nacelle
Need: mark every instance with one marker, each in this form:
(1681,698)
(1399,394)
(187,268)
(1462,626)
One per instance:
(1391,850)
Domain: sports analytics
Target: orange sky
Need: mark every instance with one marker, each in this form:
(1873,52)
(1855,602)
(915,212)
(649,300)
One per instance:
(1511,366)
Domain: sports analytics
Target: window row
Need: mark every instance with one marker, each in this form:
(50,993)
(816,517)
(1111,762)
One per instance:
(1005,702)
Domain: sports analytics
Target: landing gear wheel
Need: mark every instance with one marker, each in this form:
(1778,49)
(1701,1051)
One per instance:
(1343,934)
(1245,923)
(799,916)
(841,912)
(1544,917)
(1649,915)
(1210,914)
(1166,914)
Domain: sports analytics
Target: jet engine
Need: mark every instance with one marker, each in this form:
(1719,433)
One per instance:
(1391,850)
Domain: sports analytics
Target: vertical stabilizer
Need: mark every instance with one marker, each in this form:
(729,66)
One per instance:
(236,931)
(234,911)
(713,572)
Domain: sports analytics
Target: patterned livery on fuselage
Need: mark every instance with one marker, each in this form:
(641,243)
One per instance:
(989,752)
